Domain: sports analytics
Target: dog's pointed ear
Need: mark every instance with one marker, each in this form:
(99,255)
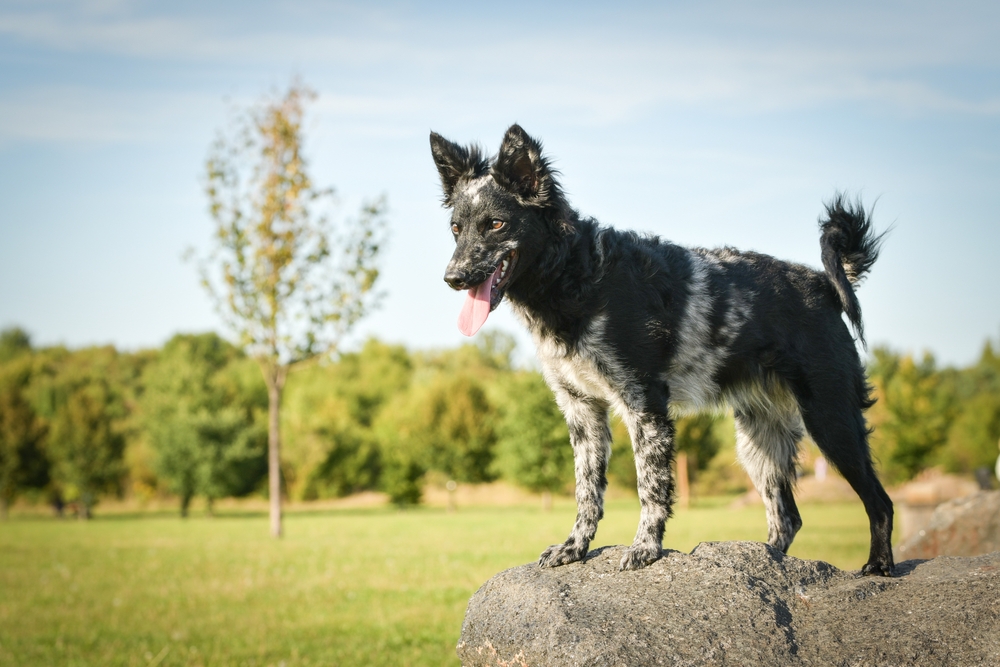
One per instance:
(454,163)
(521,168)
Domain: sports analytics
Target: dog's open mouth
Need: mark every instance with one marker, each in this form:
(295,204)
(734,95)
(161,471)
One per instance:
(486,296)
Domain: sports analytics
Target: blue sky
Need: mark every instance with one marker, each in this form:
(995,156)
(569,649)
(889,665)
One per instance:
(707,123)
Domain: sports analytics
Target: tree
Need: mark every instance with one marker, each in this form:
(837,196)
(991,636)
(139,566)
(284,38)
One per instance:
(330,413)
(207,428)
(911,416)
(445,421)
(286,285)
(696,436)
(22,459)
(82,397)
(402,452)
(14,342)
(696,445)
(973,436)
(534,450)
(455,419)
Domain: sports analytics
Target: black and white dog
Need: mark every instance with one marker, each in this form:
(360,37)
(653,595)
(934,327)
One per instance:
(650,329)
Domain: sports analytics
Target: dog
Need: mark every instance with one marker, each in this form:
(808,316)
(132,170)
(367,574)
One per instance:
(651,330)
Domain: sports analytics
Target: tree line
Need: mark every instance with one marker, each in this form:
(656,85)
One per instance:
(190,419)
(927,416)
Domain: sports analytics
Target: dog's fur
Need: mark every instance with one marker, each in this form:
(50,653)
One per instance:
(651,329)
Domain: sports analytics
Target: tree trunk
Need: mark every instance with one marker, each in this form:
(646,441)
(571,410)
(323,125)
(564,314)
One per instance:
(86,502)
(547,500)
(683,488)
(185,504)
(275,383)
(3,508)
(451,486)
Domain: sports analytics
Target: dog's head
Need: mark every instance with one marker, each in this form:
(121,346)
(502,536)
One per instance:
(501,212)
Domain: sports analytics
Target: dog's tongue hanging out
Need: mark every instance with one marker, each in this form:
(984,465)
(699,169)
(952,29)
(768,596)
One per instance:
(477,306)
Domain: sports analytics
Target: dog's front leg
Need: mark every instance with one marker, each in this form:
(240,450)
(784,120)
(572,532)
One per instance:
(653,445)
(590,435)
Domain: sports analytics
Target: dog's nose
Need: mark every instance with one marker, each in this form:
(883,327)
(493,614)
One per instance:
(456,279)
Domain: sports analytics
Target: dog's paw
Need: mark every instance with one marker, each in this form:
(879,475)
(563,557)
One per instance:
(561,554)
(639,556)
(876,570)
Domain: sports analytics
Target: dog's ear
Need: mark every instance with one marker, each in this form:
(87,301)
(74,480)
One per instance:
(521,168)
(454,163)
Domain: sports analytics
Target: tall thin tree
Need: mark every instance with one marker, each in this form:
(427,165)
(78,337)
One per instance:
(287,281)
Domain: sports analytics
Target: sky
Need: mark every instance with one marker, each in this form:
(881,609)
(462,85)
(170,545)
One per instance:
(708,123)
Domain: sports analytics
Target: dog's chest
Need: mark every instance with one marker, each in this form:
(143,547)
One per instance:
(587,368)
(575,371)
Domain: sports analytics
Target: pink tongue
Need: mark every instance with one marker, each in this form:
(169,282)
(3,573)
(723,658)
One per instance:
(477,306)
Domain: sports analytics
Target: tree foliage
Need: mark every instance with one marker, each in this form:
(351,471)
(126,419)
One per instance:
(23,463)
(457,418)
(534,450)
(696,435)
(291,283)
(205,417)
(975,431)
(445,421)
(912,413)
(14,342)
(331,412)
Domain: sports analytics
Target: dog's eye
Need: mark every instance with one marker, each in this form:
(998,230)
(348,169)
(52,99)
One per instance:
(498,224)
(454,229)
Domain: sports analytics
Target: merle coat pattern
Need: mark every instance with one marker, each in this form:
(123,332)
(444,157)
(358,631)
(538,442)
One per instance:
(650,329)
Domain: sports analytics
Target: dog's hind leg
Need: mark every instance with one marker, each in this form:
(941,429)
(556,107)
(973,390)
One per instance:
(766,444)
(838,427)
(590,435)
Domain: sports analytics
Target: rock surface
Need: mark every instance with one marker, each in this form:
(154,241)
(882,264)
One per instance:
(735,603)
(967,526)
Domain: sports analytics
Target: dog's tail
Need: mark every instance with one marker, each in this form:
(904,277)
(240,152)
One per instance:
(850,246)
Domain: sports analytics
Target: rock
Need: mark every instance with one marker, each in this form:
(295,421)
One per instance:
(917,500)
(735,603)
(967,526)
(933,487)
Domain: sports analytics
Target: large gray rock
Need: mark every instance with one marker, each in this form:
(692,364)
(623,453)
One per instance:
(968,526)
(735,603)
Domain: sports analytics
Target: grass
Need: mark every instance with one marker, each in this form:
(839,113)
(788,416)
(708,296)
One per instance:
(344,587)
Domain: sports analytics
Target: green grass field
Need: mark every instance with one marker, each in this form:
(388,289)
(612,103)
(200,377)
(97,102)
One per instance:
(344,587)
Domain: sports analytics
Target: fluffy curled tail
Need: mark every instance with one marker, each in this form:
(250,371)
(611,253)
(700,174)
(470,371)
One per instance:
(850,246)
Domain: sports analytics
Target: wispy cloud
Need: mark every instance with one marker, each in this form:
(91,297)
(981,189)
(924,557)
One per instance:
(378,66)
(82,114)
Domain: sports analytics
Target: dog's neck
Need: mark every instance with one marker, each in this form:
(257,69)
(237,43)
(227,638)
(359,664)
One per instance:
(556,293)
